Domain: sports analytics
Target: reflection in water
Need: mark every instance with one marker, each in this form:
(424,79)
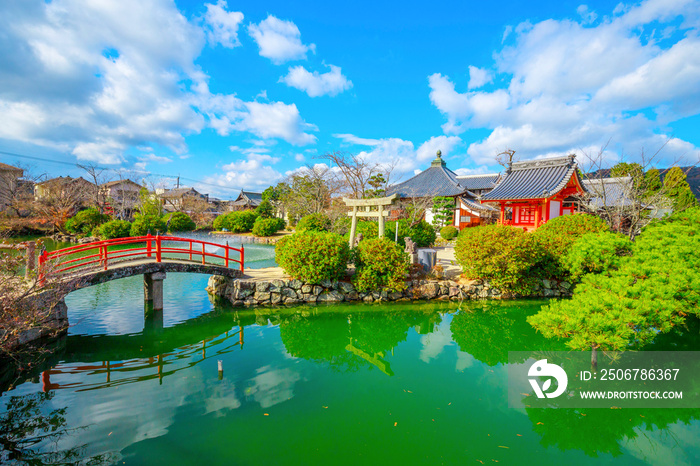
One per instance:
(383,376)
(30,432)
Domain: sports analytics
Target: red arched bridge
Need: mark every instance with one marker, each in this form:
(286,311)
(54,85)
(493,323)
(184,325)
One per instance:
(151,256)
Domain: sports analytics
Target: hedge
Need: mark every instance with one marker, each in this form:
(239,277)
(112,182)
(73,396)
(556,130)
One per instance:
(449,232)
(85,221)
(114,229)
(236,222)
(147,223)
(180,221)
(267,226)
(380,264)
(314,222)
(313,256)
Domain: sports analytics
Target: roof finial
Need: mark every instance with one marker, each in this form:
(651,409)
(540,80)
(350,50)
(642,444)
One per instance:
(439,153)
(438,162)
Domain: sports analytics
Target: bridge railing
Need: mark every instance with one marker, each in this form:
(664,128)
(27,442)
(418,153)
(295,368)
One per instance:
(99,254)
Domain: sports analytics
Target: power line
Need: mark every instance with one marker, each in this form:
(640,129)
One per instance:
(31,157)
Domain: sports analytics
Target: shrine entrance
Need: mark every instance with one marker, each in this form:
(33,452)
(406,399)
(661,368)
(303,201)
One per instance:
(364,208)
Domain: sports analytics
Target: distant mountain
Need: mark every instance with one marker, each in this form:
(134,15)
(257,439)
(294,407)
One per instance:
(692,176)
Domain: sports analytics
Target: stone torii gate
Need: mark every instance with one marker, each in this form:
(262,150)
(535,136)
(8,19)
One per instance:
(367,204)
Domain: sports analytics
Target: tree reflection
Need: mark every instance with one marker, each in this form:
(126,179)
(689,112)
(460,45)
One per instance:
(488,331)
(600,431)
(349,341)
(30,431)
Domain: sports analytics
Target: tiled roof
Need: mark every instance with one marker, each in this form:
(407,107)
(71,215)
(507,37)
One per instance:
(109,184)
(476,206)
(534,179)
(179,192)
(609,192)
(476,182)
(248,198)
(6,167)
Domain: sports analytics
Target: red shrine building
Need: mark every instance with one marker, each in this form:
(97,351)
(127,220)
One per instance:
(536,191)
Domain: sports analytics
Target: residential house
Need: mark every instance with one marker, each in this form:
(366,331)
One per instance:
(9,184)
(440,181)
(177,199)
(247,200)
(120,197)
(79,189)
(537,191)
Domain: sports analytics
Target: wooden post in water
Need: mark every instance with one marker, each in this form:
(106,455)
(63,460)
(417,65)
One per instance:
(153,289)
(221,369)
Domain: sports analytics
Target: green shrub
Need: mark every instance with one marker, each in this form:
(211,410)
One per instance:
(314,222)
(85,221)
(653,291)
(381,264)
(342,225)
(145,223)
(596,253)
(368,229)
(313,256)
(267,226)
(558,235)
(449,233)
(423,233)
(180,221)
(504,255)
(265,210)
(236,222)
(114,229)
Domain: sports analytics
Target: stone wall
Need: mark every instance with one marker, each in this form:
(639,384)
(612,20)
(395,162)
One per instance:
(274,292)
(54,322)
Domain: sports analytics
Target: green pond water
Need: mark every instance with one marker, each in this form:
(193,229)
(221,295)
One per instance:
(402,383)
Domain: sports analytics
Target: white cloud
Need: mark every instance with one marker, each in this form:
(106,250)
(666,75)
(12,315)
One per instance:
(478,77)
(223,25)
(98,78)
(571,86)
(279,40)
(316,84)
(352,139)
(250,173)
(445,144)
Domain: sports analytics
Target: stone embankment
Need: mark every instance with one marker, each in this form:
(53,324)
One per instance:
(275,292)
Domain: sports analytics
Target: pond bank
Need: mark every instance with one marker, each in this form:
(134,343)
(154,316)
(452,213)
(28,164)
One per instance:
(257,292)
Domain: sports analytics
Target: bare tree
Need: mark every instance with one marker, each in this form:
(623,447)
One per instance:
(310,190)
(359,175)
(60,199)
(506,157)
(97,176)
(18,192)
(628,196)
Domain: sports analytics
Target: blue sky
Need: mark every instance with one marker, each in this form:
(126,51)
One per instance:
(233,95)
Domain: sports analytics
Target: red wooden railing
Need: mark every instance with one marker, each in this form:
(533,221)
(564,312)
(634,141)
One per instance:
(87,257)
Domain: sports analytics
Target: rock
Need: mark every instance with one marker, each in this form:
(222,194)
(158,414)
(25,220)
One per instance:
(326,283)
(454,291)
(429,290)
(311,298)
(249,301)
(238,302)
(565,285)
(548,293)
(346,287)
(297,284)
(276,285)
(376,295)
(317,290)
(444,290)
(352,296)
(261,296)
(289,293)
(395,296)
(368,298)
(275,298)
(28,335)
(291,301)
(547,283)
(383,294)
(262,286)
(330,297)
(306,289)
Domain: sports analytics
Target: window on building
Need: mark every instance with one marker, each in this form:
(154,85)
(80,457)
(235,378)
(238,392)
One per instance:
(527,215)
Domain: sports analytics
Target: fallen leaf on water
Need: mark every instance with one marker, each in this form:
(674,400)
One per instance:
(540,423)
(265,414)
(395,424)
(501,446)
(519,435)
(109,434)
(448,404)
(325,407)
(409,391)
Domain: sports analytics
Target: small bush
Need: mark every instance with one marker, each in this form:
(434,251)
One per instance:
(265,210)
(145,223)
(313,256)
(558,235)
(236,222)
(381,264)
(423,233)
(449,233)
(180,221)
(596,253)
(314,222)
(85,221)
(504,255)
(114,229)
(267,226)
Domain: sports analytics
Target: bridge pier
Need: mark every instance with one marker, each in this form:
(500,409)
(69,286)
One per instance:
(153,289)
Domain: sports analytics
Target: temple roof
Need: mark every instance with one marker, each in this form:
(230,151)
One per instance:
(534,179)
(609,192)
(438,180)
(248,198)
(476,206)
(473,182)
